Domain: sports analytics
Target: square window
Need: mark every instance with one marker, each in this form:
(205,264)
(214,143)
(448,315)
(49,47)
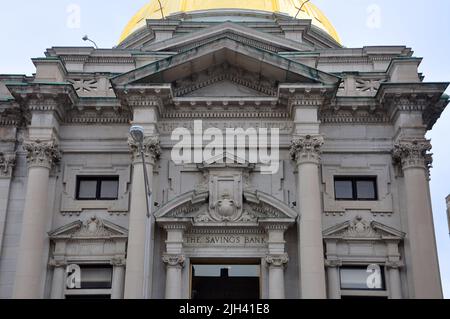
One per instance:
(97,187)
(354,188)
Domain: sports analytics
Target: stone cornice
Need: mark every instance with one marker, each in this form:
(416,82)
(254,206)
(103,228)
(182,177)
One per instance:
(413,153)
(42,153)
(306,149)
(45,97)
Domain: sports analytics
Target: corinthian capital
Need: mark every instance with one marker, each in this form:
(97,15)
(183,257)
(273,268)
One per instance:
(277,260)
(43,154)
(413,153)
(173,260)
(151,146)
(307,148)
(7,162)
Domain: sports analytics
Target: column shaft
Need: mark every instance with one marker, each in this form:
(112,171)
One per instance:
(333,283)
(425,267)
(276,282)
(395,284)
(134,278)
(30,262)
(118,282)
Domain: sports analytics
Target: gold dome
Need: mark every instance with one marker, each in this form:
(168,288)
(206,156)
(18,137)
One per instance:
(152,11)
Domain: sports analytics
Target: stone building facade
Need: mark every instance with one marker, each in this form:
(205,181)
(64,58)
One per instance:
(347,214)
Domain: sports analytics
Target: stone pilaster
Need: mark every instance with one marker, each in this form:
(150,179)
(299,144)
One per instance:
(174,265)
(276,264)
(58,282)
(118,280)
(333,281)
(422,267)
(306,151)
(140,226)
(30,264)
(395,286)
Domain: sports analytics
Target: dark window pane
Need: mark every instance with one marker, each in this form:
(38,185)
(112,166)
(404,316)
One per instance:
(109,189)
(362,279)
(87,189)
(365,189)
(343,189)
(96,277)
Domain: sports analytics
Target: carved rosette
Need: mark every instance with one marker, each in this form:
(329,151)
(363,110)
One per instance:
(152,149)
(413,154)
(7,162)
(172,260)
(277,260)
(42,154)
(307,149)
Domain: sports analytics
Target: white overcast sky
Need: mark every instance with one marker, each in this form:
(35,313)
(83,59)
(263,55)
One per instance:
(29,27)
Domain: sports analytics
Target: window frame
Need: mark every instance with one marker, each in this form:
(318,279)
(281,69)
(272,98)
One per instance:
(98,179)
(86,293)
(354,181)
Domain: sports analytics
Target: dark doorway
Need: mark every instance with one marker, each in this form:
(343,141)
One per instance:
(225,281)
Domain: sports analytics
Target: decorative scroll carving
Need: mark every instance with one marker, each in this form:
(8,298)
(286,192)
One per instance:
(277,260)
(174,260)
(57,262)
(307,149)
(93,227)
(397,264)
(44,154)
(360,228)
(413,153)
(118,262)
(7,162)
(152,149)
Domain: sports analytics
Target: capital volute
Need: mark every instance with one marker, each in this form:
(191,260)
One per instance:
(333,263)
(118,262)
(394,264)
(307,149)
(413,153)
(174,260)
(42,153)
(57,262)
(277,260)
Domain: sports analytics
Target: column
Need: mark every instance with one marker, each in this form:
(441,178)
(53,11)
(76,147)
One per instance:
(174,259)
(395,286)
(306,152)
(412,155)
(7,162)
(30,263)
(58,280)
(276,265)
(333,278)
(134,278)
(174,265)
(118,280)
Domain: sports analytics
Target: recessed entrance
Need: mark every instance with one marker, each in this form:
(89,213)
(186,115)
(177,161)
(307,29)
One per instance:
(225,281)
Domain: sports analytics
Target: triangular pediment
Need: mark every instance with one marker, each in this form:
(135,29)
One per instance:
(267,69)
(359,228)
(229,30)
(225,88)
(93,228)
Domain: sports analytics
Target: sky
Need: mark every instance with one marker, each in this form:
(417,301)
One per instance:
(30,27)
